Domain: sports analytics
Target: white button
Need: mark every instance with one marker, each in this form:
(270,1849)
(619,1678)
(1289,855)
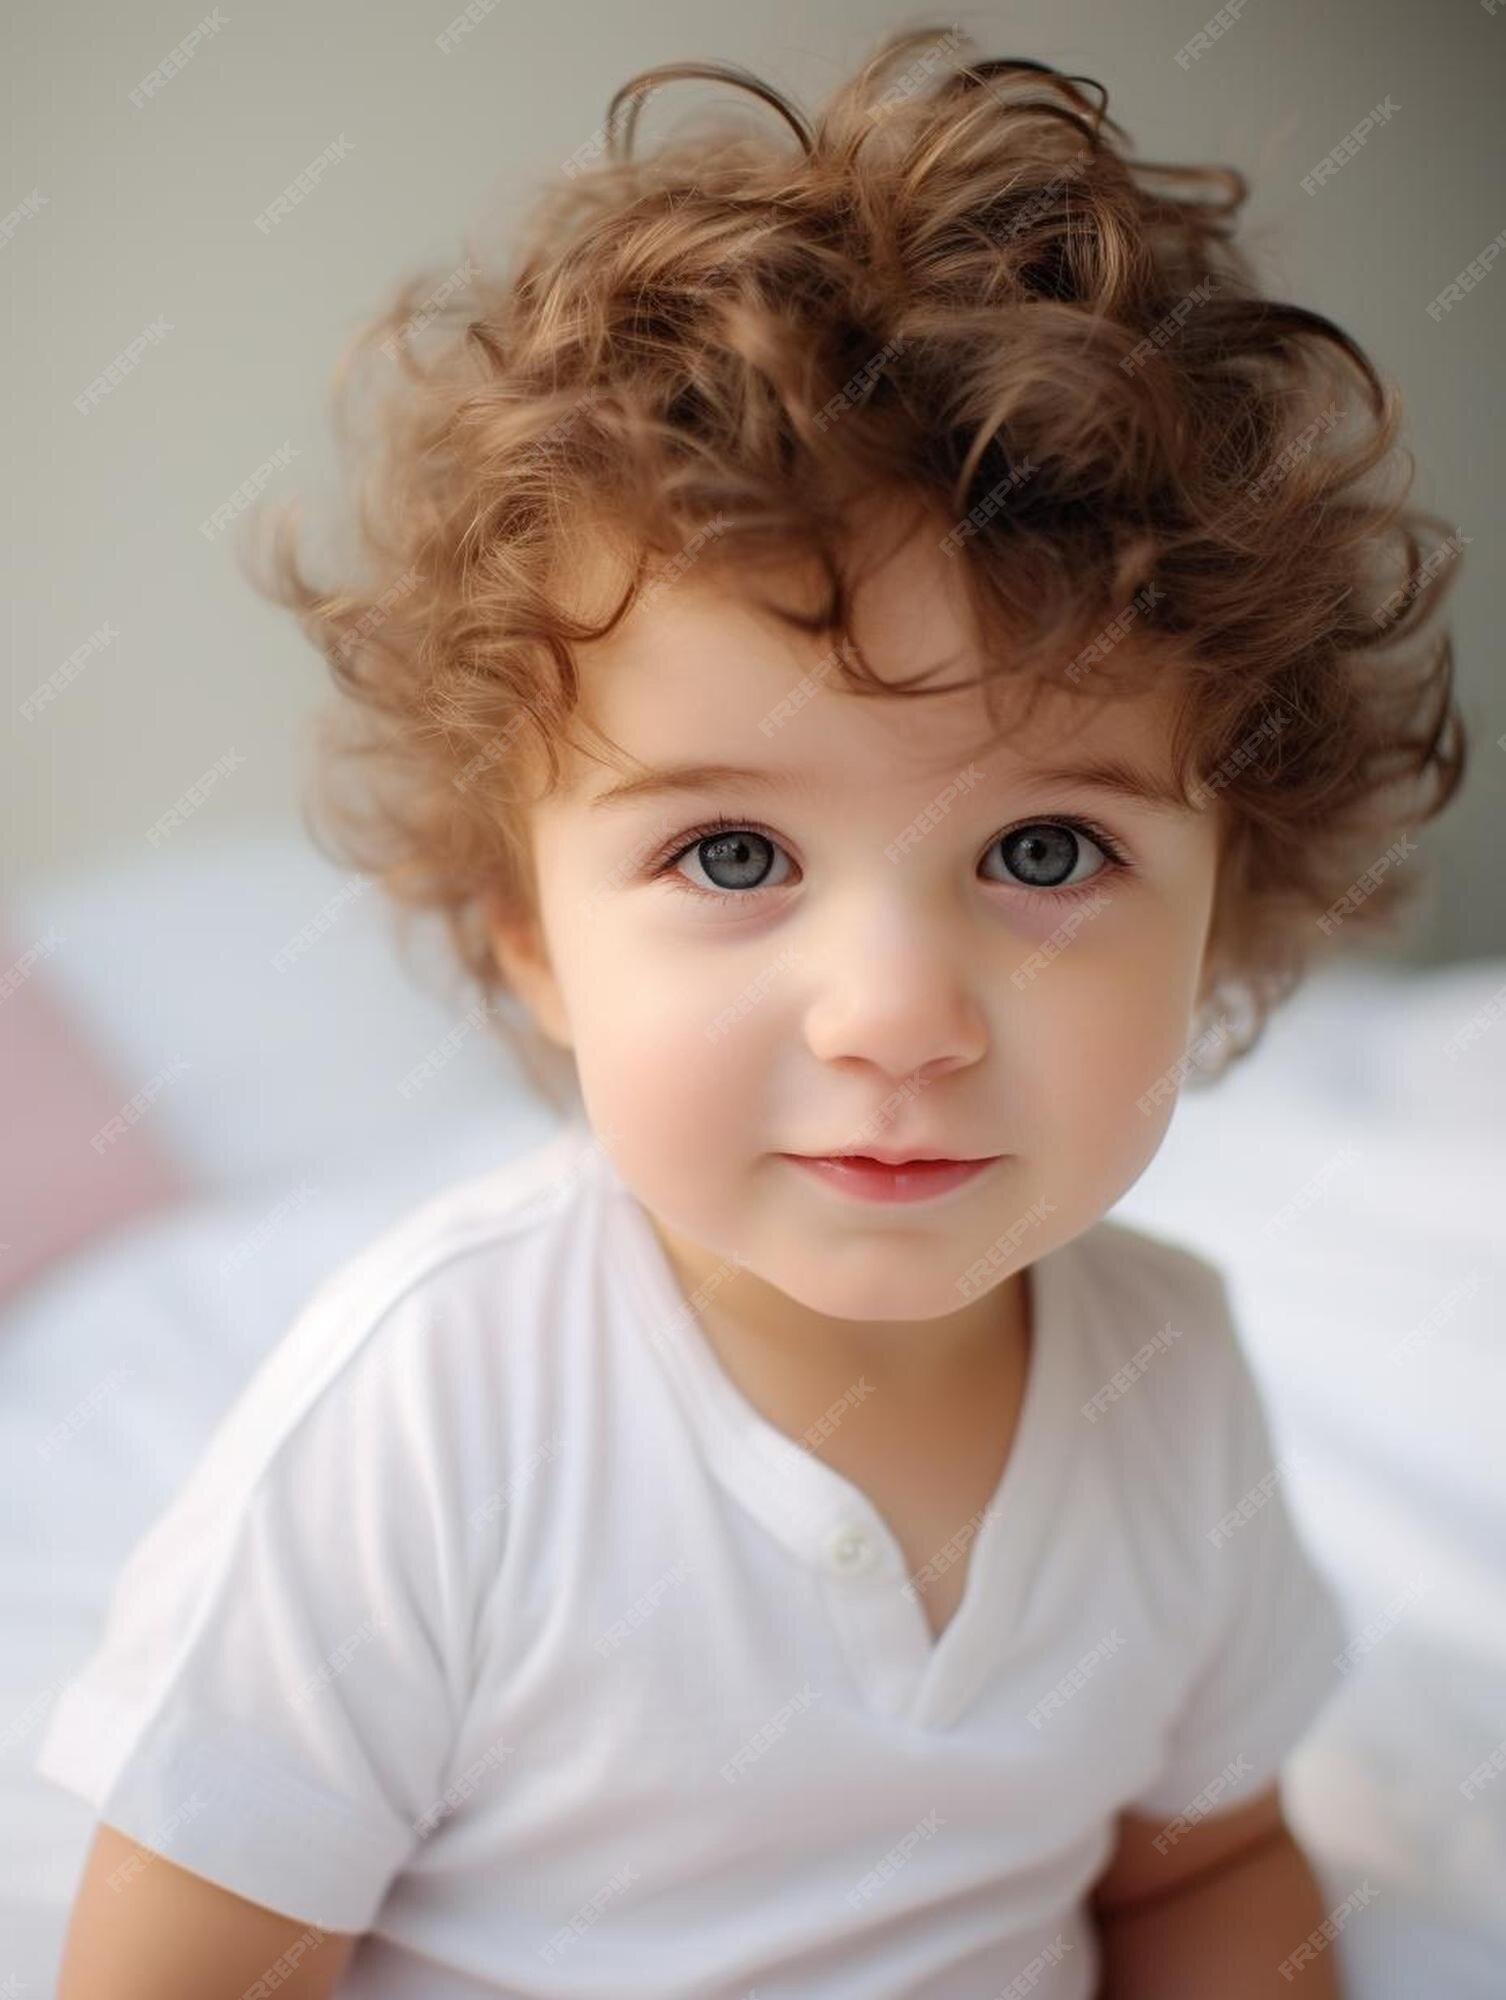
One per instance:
(849,1552)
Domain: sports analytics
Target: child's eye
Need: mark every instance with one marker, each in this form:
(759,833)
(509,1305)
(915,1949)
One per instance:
(1051,857)
(1053,854)
(735,859)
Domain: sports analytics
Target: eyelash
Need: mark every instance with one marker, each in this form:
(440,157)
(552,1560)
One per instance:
(663,862)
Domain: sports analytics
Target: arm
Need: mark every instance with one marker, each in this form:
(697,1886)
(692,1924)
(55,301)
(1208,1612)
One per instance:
(144,1929)
(1216,1911)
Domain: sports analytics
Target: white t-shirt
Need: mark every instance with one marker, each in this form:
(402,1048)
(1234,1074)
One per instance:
(495,1622)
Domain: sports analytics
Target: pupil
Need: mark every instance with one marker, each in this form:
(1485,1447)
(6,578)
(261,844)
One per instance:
(743,858)
(1042,855)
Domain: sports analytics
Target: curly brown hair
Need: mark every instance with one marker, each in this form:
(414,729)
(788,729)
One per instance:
(961,289)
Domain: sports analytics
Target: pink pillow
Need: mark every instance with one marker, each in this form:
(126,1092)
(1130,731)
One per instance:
(77,1154)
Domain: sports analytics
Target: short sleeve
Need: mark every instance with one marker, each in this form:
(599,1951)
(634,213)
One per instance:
(1275,1636)
(270,1705)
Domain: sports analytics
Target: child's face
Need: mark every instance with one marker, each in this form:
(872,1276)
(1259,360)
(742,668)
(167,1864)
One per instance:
(921,996)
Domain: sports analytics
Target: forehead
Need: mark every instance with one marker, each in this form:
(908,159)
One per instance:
(699,671)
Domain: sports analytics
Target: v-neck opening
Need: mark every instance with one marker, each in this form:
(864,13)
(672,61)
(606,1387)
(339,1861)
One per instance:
(803,1501)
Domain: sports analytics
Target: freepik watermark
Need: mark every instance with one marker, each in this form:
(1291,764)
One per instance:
(129,358)
(1318,1941)
(1459,1293)
(1059,939)
(441,1053)
(854,389)
(1484,1774)
(983,1271)
(740,1008)
(1485,1017)
(1035,1969)
(431,307)
(983,512)
(952,1551)
(768,1734)
(1207,1801)
(451,37)
(63,677)
(589,1913)
(497,1502)
(256,1239)
(868,1887)
(932,815)
(1437,559)
(1243,754)
(20,1727)
(683,559)
(1375,1629)
(586,155)
(286,1963)
(1378,115)
(885,1114)
(1125,1376)
(688,1314)
(1076,1678)
(1312,1189)
(1170,1079)
(188,803)
(1210,32)
(137,1105)
(375,616)
(82,1414)
(305,1692)
(305,938)
(643,1607)
(29,205)
(1293,452)
(177,58)
(1098,648)
(1167,327)
(246,492)
(487,758)
(1474,273)
(456,1793)
(1364,887)
(834,1413)
(20,970)
(137,1863)
(788,706)
(1038,204)
(1245,1509)
(303,186)
(915,76)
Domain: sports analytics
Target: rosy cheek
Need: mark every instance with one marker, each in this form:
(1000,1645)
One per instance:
(1107,1014)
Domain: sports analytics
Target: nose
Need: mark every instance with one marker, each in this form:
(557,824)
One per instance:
(888,995)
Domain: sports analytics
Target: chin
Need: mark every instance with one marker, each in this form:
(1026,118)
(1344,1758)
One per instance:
(881,1284)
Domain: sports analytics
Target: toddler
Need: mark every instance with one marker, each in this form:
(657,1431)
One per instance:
(884,650)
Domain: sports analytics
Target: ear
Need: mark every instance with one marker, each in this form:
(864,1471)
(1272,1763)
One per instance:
(522,955)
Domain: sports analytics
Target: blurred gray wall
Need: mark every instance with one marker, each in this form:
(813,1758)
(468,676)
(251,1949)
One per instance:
(129,202)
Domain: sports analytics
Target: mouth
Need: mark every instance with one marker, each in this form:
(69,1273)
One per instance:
(873,1178)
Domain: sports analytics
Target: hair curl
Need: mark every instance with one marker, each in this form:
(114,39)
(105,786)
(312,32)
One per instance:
(959,288)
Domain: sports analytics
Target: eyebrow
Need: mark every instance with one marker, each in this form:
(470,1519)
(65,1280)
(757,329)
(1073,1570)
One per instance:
(1112,775)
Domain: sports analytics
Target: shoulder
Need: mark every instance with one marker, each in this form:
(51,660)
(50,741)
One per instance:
(1154,1265)
(1164,1379)
(431,1249)
(400,1355)
(1137,1291)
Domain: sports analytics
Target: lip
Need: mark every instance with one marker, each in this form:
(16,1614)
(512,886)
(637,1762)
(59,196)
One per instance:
(875,1180)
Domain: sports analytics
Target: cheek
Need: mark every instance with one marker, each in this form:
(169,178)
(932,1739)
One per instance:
(1097,1036)
(671,1047)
